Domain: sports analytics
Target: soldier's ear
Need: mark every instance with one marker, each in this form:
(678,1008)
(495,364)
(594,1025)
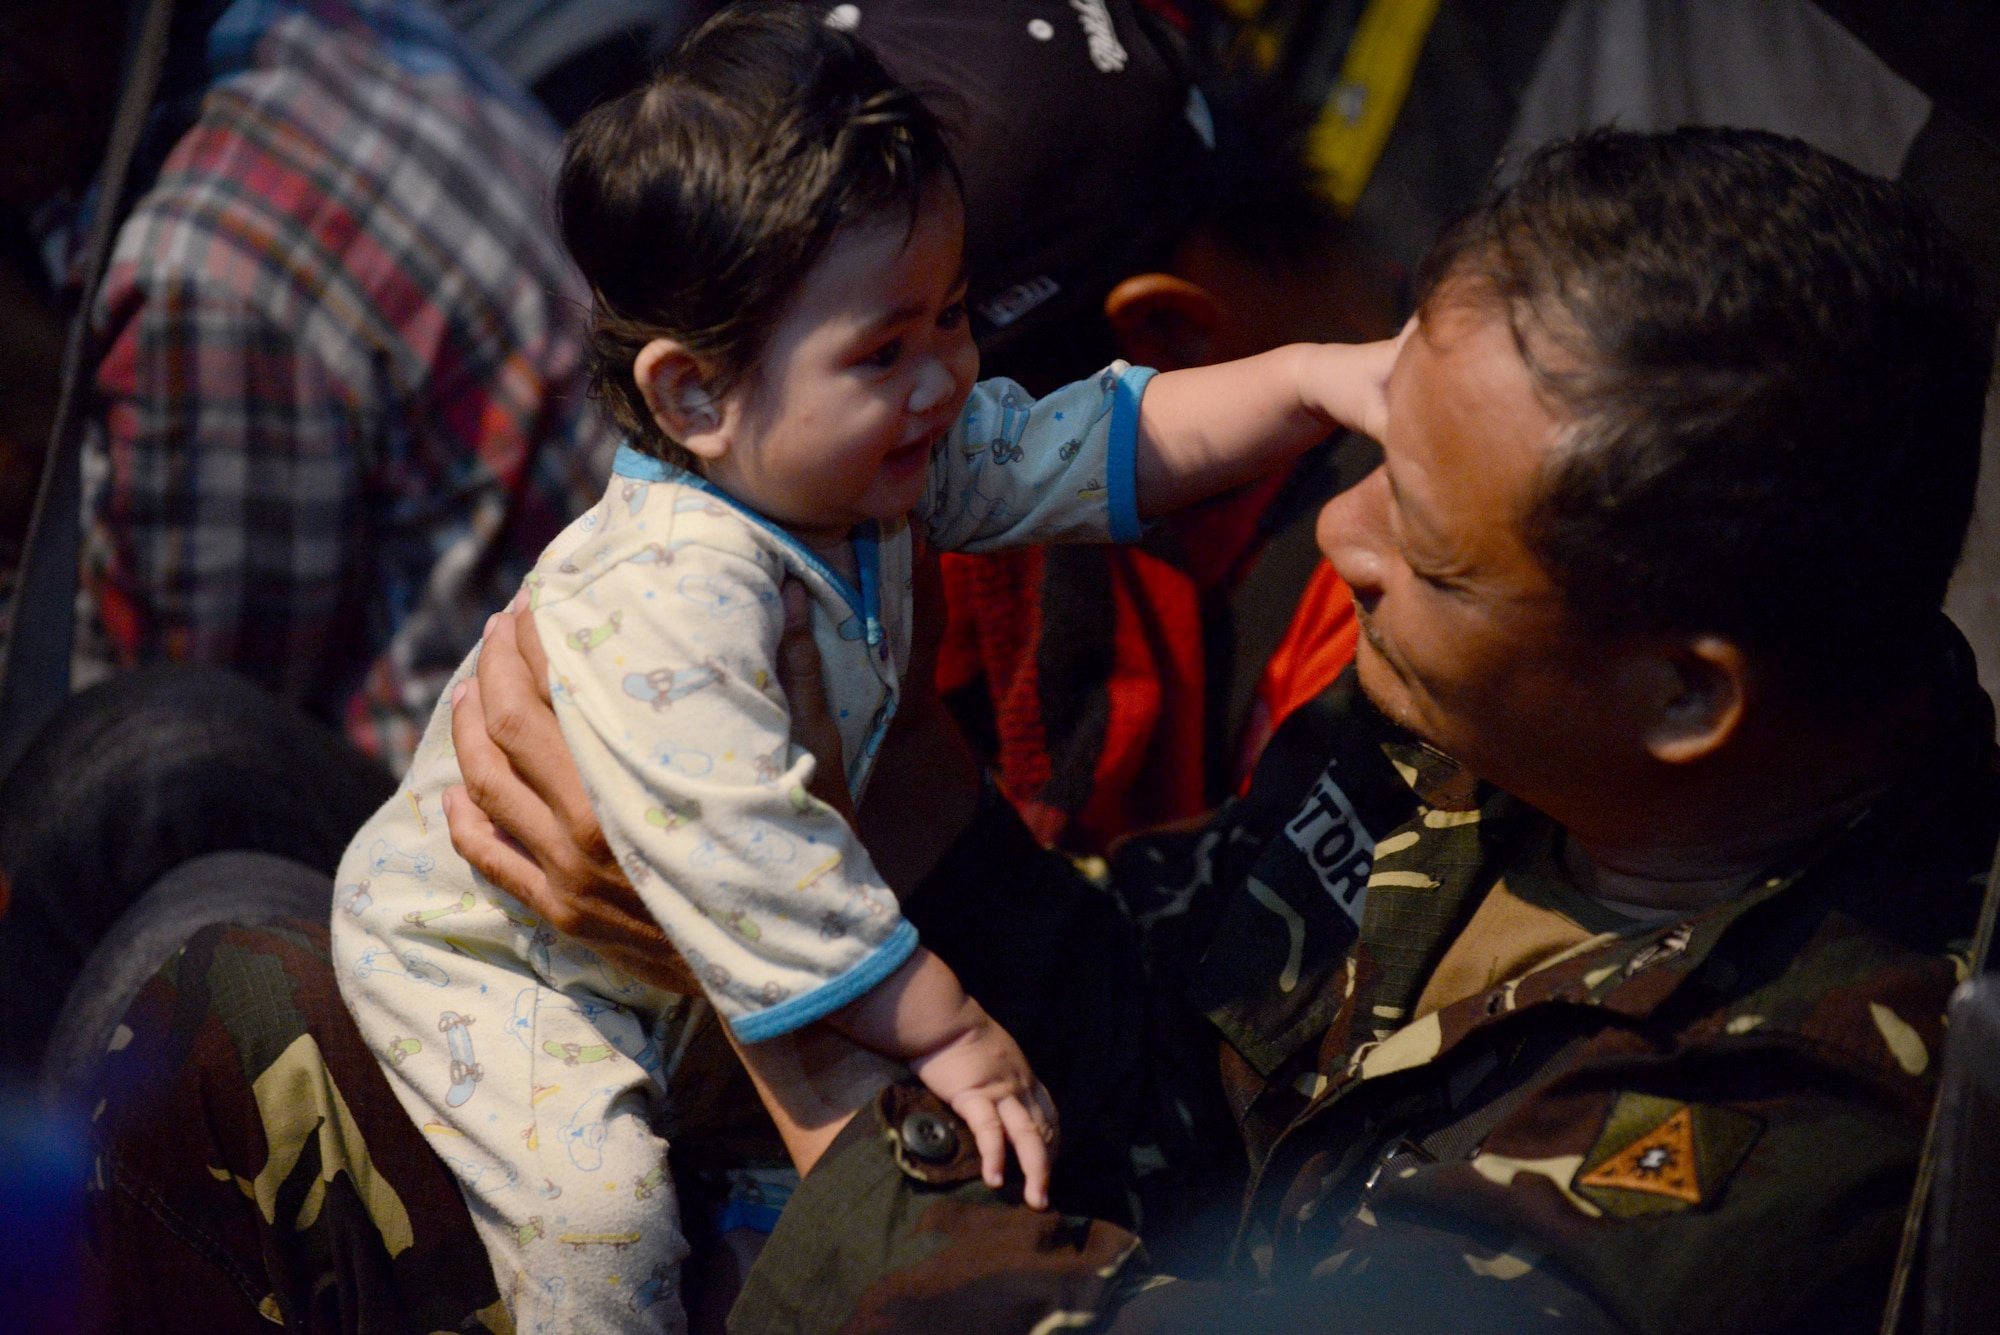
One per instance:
(674,384)
(1696,690)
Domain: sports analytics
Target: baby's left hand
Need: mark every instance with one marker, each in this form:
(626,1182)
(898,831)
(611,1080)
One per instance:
(985,1078)
(1348,383)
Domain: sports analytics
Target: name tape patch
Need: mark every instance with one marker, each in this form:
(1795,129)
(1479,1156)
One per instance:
(1335,845)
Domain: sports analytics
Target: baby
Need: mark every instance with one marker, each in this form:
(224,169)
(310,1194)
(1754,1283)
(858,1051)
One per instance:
(773,234)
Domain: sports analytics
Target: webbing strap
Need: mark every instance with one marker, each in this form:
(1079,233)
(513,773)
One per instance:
(1362,106)
(1913,1219)
(34,665)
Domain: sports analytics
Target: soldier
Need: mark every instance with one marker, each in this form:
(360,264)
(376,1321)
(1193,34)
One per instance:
(1576,962)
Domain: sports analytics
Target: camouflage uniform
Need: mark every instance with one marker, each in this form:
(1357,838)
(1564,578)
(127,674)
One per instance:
(254,1170)
(1709,1125)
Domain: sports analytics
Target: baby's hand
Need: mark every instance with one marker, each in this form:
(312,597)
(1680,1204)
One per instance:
(986,1080)
(1348,383)
(921,1015)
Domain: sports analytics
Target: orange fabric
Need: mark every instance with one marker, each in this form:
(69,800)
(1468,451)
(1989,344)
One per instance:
(1318,646)
(1151,769)
(1150,765)
(993,630)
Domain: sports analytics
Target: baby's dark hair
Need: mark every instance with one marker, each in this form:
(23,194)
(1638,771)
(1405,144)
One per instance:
(696,204)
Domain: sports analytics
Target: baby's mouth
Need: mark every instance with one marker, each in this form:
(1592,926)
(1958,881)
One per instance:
(910,456)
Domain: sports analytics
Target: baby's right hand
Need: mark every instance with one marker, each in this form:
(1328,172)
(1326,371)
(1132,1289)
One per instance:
(985,1078)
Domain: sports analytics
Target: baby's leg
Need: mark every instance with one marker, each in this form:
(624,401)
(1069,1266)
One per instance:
(538,1100)
(590,1238)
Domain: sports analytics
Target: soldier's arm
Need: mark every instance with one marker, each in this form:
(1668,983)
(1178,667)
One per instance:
(892,1231)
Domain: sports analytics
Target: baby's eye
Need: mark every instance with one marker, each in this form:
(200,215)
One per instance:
(885,356)
(952,316)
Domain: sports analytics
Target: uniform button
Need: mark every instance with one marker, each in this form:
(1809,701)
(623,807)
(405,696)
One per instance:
(929,1137)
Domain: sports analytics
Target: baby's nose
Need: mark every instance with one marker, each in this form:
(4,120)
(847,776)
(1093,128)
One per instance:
(934,385)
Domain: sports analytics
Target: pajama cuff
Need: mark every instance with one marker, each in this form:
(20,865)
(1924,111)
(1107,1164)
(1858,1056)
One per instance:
(1123,465)
(830,996)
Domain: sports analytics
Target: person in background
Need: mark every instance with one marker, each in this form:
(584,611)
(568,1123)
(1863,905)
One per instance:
(1187,230)
(572,54)
(339,370)
(339,408)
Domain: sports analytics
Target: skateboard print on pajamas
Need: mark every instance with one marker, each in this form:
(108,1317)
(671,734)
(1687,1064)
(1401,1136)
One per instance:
(656,554)
(588,1130)
(583,641)
(384,857)
(411,965)
(465,903)
(661,687)
(578,1054)
(466,1072)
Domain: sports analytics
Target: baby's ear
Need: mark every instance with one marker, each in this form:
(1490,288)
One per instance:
(674,385)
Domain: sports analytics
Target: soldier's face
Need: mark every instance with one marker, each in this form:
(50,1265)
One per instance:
(1465,638)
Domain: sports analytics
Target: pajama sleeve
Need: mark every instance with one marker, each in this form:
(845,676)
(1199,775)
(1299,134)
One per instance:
(1017,471)
(662,674)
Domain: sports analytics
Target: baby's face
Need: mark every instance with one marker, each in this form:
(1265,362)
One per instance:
(864,374)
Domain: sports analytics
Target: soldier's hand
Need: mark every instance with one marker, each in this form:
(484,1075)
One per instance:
(523,819)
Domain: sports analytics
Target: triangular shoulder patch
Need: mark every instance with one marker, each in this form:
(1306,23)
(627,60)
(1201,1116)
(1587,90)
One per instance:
(1657,1154)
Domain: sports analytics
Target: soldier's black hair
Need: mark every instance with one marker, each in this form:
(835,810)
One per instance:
(1774,368)
(696,204)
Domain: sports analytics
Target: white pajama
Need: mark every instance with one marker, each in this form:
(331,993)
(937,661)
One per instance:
(534,1064)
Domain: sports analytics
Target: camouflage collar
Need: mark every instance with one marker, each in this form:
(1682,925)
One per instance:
(1336,931)
(1631,975)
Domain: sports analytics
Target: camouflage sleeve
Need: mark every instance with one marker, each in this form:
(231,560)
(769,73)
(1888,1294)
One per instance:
(253,1166)
(1416,1280)
(894,1232)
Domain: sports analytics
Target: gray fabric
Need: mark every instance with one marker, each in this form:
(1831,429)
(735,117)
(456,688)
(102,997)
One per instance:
(1973,600)
(1778,65)
(1963,1287)
(247,889)
(528,38)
